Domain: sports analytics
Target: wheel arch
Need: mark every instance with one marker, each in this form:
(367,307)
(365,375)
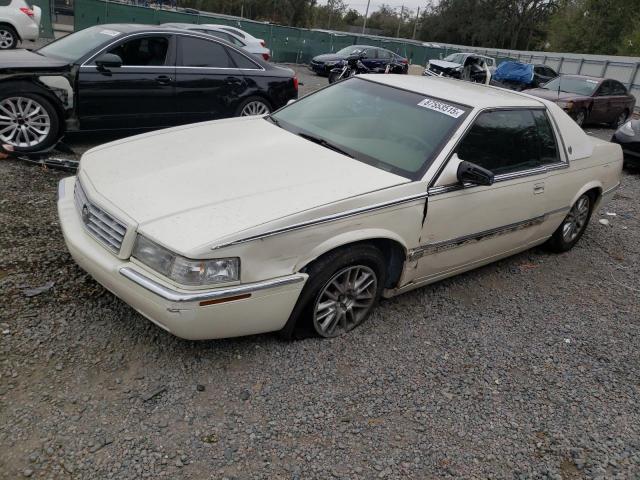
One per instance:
(594,189)
(392,246)
(6,22)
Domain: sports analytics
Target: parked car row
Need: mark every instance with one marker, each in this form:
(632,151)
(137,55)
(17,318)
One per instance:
(366,189)
(132,76)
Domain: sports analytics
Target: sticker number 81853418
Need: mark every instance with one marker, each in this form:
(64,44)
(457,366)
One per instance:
(445,108)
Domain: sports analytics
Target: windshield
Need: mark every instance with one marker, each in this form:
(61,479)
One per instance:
(388,128)
(75,46)
(351,49)
(455,58)
(579,86)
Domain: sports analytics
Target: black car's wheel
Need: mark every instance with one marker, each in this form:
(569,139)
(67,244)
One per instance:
(28,121)
(620,119)
(573,226)
(253,106)
(334,76)
(581,117)
(8,37)
(343,288)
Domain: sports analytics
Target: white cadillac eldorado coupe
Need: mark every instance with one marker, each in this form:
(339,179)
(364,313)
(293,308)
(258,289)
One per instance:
(371,187)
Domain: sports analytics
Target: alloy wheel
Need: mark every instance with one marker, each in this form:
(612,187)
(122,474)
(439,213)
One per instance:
(621,119)
(345,300)
(580,117)
(576,220)
(255,107)
(24,122)
(7,39)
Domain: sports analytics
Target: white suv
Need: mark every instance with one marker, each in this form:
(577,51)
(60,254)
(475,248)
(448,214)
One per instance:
(19,21)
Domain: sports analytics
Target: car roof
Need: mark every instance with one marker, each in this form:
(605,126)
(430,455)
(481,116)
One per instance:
(459,91)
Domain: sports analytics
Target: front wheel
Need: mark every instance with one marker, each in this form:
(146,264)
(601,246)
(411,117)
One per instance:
(620,119)
(28,121)
(581,117)
(343,288)
(335,76)
(573,226)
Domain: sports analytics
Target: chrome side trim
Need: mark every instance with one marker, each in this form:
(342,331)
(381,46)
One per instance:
(326,219)
(612,189)
(172,295)
(436,247)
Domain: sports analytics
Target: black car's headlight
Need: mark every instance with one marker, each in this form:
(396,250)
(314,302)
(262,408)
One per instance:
(184,270)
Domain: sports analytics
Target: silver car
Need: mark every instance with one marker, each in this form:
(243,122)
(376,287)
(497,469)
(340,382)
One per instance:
(221,31)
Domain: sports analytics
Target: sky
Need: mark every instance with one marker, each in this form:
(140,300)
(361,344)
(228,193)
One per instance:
(361,5)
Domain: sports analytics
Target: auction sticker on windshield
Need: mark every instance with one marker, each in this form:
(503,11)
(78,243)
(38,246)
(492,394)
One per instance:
(445,108)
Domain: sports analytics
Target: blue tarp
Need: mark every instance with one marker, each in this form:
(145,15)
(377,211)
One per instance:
(514,72)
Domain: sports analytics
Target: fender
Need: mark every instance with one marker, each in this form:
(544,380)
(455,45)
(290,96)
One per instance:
(594,184)
(347,238)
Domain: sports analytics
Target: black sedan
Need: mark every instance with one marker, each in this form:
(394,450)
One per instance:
(131,77)
(628,137)
(374,59)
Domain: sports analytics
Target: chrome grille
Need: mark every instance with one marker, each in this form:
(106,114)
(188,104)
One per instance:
(99,223)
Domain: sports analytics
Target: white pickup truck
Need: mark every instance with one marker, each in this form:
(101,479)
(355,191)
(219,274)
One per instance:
(371,187)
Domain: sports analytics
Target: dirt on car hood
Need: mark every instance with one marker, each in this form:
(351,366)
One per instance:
(194,184)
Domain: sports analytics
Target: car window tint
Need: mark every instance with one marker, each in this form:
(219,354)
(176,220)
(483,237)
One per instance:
(618,89)
(605,89)
(539,70)
(503,141)
(384,54)
(143,51)
(551,72)
(197,52)
(548,152)
(242,61)
(5,3)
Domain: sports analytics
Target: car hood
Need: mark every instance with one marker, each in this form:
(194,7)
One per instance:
(27,60)
(189,186)
(328,57)
(554,95)
(444,64)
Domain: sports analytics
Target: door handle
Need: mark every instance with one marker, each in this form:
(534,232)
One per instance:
(233,80)
(538,188)
(163,79)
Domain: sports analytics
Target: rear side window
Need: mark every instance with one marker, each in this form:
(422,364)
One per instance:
(548,149)
(618,89)
(384,54)
(197,52)
(5,3)
(503,141)
(143,51)
(242,61)
(240,34)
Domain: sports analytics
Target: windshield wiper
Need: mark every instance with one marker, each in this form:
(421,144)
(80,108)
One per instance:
(324,143)
(275,121)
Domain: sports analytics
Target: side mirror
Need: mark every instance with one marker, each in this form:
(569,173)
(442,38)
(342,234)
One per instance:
(108,60)
(471,173)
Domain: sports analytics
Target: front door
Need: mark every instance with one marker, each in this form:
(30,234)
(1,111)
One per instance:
(601,103)
(140,94)
(473,225)
(208,84)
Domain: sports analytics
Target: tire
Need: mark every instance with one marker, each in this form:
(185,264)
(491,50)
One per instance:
(36,128)
(622,118)
(581,117)
(358,263)
(257,105)
(8,37)
(334,76)
(566,236)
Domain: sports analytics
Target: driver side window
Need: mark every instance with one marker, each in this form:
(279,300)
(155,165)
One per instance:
(143,51)
(503,141)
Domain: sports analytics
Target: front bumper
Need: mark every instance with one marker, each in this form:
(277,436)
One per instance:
(243,309)
(630,148)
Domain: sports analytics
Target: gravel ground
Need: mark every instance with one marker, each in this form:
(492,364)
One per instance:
(527,368)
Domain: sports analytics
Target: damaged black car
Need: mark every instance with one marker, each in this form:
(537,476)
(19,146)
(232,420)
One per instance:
(112,77)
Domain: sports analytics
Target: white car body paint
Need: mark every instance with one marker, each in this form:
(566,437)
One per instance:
(278,202)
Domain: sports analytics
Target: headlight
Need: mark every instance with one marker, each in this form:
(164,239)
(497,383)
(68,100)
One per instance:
(183,270)
(565,105)
(627,129)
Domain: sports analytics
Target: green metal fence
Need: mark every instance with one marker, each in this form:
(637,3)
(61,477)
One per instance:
(46,27)
(287,44)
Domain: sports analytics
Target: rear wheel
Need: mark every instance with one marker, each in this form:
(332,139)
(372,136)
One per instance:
(253,106)
(573,226)
(619,121)
(334,76)
(8,37)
